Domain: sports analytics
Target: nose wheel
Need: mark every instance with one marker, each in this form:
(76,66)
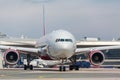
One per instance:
(62,67)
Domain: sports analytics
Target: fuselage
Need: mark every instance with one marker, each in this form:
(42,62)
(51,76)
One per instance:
(60,43)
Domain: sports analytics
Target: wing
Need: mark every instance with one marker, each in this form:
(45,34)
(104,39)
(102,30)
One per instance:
(12,48)
(94,54)
(24,49)
(12,54)
(18,42)
(79,50)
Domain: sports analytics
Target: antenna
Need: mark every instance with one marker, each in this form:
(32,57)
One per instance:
(44,28)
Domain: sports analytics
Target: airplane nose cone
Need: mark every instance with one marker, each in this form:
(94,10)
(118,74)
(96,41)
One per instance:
(65,50)
(65,47)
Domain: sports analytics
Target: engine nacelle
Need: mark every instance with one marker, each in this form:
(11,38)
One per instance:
(11,56)
(44,53)
(44,50)
(96,58)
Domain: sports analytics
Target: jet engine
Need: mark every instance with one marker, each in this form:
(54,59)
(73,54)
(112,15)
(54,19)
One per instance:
(96,58)
(11,56)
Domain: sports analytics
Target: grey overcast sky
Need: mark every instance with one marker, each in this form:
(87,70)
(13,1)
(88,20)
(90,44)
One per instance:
(83,18)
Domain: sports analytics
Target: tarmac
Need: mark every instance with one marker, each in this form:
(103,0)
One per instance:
(55,74)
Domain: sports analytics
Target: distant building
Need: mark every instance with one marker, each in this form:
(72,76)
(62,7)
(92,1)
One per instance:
(91,39)
(2,35)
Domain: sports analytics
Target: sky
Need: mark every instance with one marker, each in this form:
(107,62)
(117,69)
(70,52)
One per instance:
(83,18)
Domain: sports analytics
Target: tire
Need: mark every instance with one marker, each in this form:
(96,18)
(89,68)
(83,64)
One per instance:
(25,67)
(64,68)
(71,67)
(60,68)
(76,68)
(31,67)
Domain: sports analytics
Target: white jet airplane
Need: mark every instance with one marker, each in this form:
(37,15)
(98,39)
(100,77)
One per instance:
(58,45)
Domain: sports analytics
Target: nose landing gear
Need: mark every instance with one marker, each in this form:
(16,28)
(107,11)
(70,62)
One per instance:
(62,67)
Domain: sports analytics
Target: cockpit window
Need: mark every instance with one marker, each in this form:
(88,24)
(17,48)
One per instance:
(64,40)
(68,40)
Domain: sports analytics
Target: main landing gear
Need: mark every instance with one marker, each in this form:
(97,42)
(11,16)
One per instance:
(71,67)
(74,65)
(28,66)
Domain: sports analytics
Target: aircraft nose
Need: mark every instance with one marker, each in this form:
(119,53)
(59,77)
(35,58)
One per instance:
(65,50)
(65,47)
